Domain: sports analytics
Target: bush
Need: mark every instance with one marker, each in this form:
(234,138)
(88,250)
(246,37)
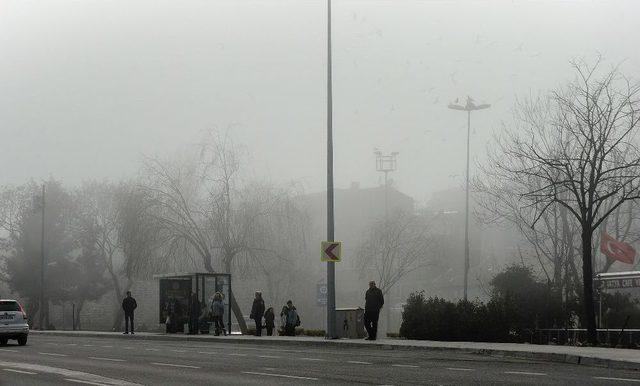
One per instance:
(439,319)
(519,304)
(310,332)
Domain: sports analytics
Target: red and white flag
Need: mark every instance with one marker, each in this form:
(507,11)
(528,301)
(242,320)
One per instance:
(616,250)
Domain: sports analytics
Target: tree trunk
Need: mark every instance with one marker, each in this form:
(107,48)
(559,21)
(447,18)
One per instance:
(76,321)
(119,312)
(237,312)
(587,279)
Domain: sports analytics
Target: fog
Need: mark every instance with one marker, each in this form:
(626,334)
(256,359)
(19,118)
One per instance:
(90,87)
(191,136)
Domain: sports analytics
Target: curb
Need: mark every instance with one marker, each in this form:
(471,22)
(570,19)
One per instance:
(575,359)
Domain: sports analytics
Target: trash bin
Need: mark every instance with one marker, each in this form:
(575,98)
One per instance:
(350,323)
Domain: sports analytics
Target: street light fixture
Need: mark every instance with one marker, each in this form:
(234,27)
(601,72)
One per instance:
(386,164)
(468,107)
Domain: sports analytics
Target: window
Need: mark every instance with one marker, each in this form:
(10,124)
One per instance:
(9,306)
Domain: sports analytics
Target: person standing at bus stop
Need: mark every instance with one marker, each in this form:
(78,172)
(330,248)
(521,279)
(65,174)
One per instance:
(257,312)
(128,305)
(374,300)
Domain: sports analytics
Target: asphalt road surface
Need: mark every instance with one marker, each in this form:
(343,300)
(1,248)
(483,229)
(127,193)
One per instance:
(51,360)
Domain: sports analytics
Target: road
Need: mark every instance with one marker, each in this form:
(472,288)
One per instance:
(52,360)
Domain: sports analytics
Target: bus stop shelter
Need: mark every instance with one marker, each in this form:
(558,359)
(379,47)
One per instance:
(176,289)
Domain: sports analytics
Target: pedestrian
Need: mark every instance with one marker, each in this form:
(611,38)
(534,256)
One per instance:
(290,319)
(217,313)
(373,303)
(194,313)
(257,311)
(269,320)
(128,305)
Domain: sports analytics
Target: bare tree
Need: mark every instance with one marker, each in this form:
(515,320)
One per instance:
(552,240)
(207,214)
(113,216)
(394,247)
(580,143)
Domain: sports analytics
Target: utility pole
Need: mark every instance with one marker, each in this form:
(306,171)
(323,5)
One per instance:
(468,107)
(331,332)
(42,263)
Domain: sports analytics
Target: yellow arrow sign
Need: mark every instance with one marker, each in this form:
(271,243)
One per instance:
(331,251)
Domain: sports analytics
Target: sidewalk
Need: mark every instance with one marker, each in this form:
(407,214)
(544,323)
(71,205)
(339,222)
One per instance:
(589,356)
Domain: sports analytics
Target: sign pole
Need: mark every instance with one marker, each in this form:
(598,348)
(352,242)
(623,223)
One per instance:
(331,273)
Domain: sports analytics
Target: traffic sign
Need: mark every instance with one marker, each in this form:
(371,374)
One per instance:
(321,294)
(331,251)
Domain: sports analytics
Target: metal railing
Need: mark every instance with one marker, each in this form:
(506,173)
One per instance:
(573,336)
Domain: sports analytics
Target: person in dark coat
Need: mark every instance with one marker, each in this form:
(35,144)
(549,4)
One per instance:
(269,320)
(194,313)
(128,305)
(373,303)
(257,311)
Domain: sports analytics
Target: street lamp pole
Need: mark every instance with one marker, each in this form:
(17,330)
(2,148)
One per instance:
(468,107)
(42,302)
(386,164)
(331,269)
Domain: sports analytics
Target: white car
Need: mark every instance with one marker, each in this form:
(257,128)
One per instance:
(13,322)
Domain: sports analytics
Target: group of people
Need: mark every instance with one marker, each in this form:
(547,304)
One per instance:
(197,316)
(289,318)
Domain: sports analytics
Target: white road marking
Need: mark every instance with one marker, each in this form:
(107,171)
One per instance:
(85,382)
(458,369)
(107,359)
(66,373)
(525,373)
(53,354)
(279,375)
(238,355)
(207,352)
(8,350)
(107,346)
(87,345)
(618,379)
(312,359)
(269,356)
(72,344)
(175,365)
(359,363)
(409,366)
(20,371)
(179,350)
(152,349)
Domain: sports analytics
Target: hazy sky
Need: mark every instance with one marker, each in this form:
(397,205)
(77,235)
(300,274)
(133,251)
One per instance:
(88,87)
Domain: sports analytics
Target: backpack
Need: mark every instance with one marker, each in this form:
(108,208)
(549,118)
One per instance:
(292,318)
